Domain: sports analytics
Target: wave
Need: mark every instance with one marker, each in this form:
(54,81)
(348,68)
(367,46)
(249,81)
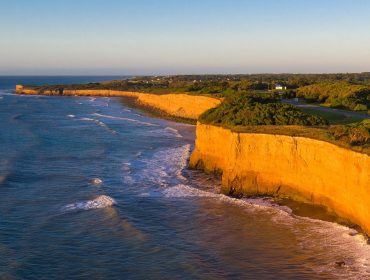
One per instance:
(6,92)
(173,131)
(101,201)
(100,123)
(183,191)
(164,168)
(71,116)
(124,119)
(96,181)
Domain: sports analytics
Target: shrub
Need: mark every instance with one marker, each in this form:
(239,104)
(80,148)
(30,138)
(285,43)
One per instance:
(242,110)
(356,134)
(360,107)
(340,94)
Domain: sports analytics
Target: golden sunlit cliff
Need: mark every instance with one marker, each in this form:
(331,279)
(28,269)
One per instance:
(177,105)
(304,169)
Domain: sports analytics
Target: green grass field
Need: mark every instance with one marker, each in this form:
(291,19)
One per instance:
(332,118)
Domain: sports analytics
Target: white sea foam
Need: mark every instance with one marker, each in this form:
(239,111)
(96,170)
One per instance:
(97,181)
(165,132)
(100,123)
(164,168)
(71,116)
(182,191)
(101,201)
(167,164)
(173,131)
(124,119)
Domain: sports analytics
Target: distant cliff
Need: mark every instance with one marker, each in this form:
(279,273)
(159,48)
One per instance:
(304,169)
(178,105)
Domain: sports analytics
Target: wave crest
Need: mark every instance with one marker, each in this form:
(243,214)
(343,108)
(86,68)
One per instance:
(99,202)
(124,119)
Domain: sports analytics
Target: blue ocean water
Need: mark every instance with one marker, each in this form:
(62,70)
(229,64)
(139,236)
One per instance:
(91,189)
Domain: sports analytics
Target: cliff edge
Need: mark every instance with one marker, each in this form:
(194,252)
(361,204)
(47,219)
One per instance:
(177,105)
(300,168)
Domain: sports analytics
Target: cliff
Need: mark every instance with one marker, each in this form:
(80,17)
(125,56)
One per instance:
(178,105)
(304,169)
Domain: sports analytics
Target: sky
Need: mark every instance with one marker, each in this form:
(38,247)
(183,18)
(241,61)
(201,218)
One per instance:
(141,37)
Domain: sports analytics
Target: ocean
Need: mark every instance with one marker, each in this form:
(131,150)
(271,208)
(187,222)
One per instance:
(92,189)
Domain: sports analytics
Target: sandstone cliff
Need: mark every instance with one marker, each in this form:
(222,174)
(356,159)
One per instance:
(300,168)
(178,105)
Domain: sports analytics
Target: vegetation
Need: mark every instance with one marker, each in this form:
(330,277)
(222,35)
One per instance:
(338,94)
(253,114)
(245,110)
(331,117)
(348,91)
(357,134)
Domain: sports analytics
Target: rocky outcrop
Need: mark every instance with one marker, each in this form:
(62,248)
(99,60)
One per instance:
(178,105)
(304,169)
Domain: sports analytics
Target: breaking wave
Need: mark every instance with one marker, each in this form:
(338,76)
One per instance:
(164,168)
(100,123)
(101,201)
(124,119)
(173,131)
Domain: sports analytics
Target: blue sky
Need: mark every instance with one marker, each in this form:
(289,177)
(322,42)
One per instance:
(183,36)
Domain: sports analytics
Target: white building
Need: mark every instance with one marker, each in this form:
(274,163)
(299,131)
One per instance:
(280,87)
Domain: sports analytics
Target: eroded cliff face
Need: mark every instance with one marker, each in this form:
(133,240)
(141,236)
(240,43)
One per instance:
(178,105)
(300,168)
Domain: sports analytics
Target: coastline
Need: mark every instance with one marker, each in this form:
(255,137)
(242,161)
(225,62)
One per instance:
(234,186)
(177,105)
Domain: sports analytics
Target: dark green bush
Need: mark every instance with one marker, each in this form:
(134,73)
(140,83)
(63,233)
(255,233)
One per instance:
(244,109)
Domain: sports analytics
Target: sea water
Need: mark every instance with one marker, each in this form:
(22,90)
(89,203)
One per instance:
(91,189)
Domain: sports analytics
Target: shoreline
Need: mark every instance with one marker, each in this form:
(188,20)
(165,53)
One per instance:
(132,100)
(179,105)
(299,208)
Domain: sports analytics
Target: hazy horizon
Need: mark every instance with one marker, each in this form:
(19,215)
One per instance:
(183,37)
